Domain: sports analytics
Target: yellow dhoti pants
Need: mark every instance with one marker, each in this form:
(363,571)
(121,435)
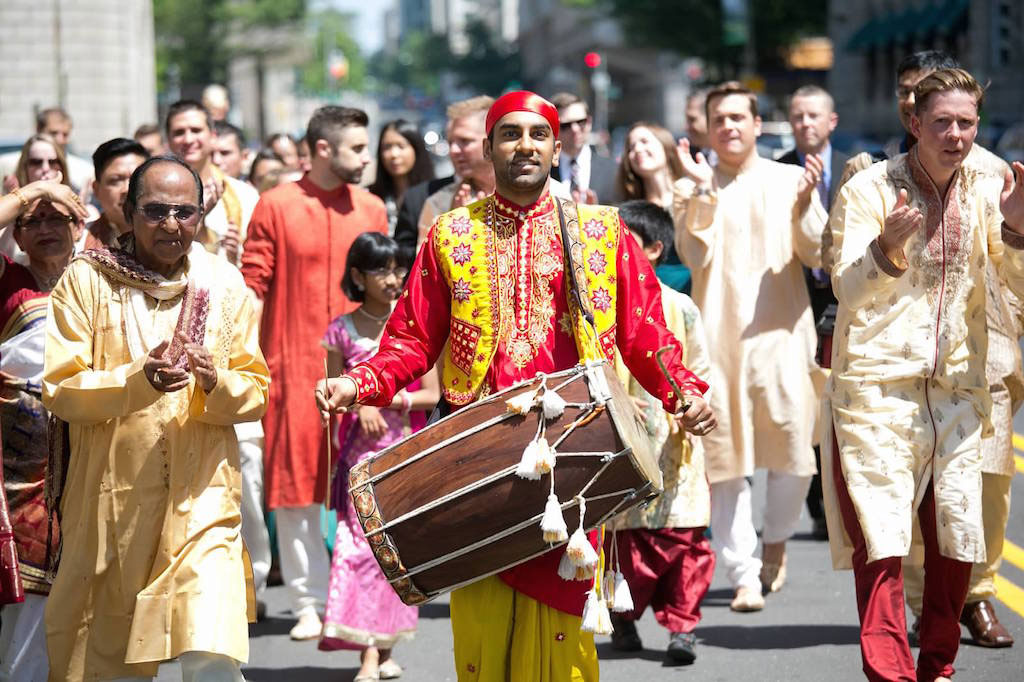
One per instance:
(502,635)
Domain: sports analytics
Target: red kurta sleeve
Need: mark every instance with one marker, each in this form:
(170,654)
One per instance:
(642,330)
(414,335)
(258,253)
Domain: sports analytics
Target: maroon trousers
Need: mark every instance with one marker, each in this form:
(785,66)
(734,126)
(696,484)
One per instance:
(884,648)
(668,569)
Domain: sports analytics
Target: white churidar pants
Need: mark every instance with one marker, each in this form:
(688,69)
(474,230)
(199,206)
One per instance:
(733,535)
(254,526)
(305,566)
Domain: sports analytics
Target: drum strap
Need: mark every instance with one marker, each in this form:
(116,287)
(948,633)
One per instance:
(570,247)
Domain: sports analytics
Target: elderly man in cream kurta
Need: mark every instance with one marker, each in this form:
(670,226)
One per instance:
(909,396)
(152,355)
(744,227)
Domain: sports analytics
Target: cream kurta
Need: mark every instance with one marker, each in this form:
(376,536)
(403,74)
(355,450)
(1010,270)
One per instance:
(744,244)
(909,394)
(686,500)
(152,560)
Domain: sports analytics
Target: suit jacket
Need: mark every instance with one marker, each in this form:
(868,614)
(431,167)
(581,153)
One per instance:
(603,172)
(839,160)
(821,291)
(407,226)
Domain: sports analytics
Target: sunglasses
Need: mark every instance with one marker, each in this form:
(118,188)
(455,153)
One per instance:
(39,163)
(565,125)
(185,214)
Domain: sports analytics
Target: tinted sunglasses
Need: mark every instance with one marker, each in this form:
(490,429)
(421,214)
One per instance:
(185,214)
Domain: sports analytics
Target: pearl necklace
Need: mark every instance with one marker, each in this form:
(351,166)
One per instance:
(376,318)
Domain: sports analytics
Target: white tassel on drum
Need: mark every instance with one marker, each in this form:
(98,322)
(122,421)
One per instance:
(552,404)
(527,467)
(552,524)
(545,457)
(522,403)
(618,594)
(596,618)
(623,599)
(579,550)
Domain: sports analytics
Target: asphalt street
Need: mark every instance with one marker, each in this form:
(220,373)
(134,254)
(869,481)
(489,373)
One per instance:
(808,631)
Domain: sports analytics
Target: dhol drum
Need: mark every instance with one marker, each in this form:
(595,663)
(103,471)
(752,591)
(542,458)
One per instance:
(444,507)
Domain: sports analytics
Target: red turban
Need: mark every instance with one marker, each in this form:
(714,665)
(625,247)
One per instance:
(522,100)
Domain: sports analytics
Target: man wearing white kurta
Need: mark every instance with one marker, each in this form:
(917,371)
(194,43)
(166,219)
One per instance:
(909,395)
(744,226)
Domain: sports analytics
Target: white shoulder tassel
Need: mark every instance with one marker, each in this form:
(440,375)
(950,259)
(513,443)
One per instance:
(623,599)
(552,524)
(527,467)
(596,618)
(522,403)
(552,404)
(545,456)
(567,570)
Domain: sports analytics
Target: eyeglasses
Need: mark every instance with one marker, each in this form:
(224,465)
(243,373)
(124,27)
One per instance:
(51,221)
(565,125)
(382,273)
(39,163)
(185,214)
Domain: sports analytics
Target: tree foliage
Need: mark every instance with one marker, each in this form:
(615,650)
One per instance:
(695,27)
(193,36)
(331,33)
(489,66)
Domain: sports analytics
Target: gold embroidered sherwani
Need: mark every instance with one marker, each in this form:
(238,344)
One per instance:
(909,395)
(744,244)
(152,559)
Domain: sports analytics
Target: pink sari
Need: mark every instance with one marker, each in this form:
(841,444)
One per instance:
(362,609)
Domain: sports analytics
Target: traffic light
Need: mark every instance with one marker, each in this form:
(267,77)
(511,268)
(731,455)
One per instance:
(592,60)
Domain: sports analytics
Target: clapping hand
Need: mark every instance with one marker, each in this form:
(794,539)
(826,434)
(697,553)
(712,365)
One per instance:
(160,372)
(1011,199)
(466,196)
(230,243)
(200,362)
(902,222)
(814,171)
(697,169)
(213,188)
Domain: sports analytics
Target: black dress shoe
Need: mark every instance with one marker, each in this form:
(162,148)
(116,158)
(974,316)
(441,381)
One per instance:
(819,529)
(624,635)
(682,647)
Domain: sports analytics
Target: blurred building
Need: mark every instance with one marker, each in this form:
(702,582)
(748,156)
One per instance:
(639,84)
(94,58)
(450,18)
(872,36)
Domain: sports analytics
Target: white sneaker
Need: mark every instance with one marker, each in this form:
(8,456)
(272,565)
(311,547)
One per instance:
(308,627)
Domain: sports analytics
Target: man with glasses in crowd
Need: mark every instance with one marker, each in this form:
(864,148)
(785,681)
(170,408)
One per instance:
(590,176)
(152,356)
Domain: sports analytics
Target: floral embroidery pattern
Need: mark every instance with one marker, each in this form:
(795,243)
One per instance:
(461,290)
(461,225)
(595,229)
(601,299)
(462,253)
(597,262)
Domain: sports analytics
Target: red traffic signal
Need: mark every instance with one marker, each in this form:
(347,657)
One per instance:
(592,60)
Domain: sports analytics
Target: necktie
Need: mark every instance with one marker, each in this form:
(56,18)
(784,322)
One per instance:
(574,174)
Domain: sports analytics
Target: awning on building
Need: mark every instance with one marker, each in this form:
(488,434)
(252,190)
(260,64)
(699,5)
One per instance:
(906,25)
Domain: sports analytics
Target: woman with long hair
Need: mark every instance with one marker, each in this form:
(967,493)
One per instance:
(402,161)
(649,168)
(41,159)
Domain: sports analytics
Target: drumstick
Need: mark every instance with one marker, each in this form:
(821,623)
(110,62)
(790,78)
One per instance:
(683,402)
(327,492)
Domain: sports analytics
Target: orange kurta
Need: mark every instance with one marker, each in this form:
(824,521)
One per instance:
(294,259)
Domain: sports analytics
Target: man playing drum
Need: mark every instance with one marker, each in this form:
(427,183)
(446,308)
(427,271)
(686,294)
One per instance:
(492,296)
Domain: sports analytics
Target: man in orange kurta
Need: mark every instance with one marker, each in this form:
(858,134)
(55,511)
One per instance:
(294,259)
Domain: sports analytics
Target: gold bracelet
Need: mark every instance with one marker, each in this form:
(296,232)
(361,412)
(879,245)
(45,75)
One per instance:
(21,197)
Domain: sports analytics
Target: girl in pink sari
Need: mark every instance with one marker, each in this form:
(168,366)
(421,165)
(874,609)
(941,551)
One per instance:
(363,611)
